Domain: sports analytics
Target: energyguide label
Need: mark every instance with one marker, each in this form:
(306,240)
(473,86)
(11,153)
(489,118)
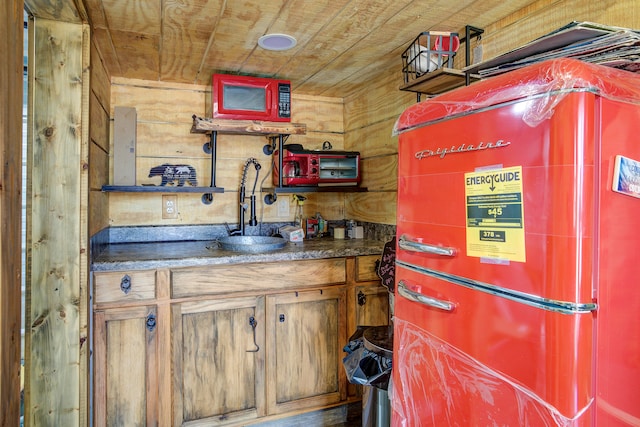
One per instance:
(495,214)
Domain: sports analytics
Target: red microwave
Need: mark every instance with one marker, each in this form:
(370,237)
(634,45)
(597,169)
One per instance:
(250,98)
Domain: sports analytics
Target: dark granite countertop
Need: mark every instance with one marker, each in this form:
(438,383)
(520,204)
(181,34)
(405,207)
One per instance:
(174,254)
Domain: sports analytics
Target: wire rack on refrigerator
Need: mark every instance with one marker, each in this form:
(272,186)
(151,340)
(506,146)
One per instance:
(429,51)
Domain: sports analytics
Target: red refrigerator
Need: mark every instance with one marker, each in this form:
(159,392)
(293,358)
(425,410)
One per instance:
(518,255)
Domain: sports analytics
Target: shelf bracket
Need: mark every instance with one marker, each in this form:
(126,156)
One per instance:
(211,147)
(272,197)
(469,31)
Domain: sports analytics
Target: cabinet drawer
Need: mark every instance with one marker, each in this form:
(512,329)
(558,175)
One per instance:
(124,286)
(256,277)
(366,268)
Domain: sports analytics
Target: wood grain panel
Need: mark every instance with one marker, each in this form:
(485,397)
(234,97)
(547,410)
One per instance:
(104,45)
(126,376)
(366,268)
(349,26)
(375,139)
(381,102)
(138,53)
(304,354)
(56,11)
(186,30)
(134,17)
(158,102)
(108,286)
(99,170)
(146,209)
(170,140)
(207,392)
(380,173)
(377,207)
(321,114)
(98,211)
(11,89)
(372,307)
(302,18)
(100,79)
(96,13)
(330,205)
(126,360)
(251,20)
(256,277)
(54,235)
(218,376)
(100,125)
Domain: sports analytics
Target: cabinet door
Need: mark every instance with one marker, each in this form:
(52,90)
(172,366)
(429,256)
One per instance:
(218,360)
(126,356)
(371,305)
(306,333)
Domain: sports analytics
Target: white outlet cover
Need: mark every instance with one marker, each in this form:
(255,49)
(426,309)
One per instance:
(283,207)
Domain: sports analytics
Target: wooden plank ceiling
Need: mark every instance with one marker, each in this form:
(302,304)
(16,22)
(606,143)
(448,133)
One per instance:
(342,44)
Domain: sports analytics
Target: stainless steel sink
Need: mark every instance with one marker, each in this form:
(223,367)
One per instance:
(253,244)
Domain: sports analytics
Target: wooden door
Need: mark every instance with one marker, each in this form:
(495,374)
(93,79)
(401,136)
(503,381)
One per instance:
(306,333)
(371,305)
(126,371)
(218,360)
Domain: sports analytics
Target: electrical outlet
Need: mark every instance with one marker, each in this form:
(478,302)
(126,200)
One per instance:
(169,206)
(283,207)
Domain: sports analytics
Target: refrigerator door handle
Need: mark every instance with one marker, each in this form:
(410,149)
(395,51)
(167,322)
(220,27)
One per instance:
(410,245)
(423,299)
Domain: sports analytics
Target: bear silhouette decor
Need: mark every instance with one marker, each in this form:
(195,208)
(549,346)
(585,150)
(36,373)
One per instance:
(172,173)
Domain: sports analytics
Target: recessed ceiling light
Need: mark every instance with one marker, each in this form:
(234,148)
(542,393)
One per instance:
(276,42)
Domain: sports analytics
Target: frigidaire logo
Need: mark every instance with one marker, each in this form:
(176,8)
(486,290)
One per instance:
(462,148)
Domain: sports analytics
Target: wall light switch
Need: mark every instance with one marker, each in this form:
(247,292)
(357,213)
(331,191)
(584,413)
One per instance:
(283,207)
(169,206)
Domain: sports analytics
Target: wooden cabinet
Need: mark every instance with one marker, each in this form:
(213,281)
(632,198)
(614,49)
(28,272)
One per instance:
(305,336)
(218,360)
(126,364)
(368,299)
(126,349)
(371,305)
(228,344)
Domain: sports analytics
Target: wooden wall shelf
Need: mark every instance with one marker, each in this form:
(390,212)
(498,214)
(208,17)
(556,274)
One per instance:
(160,189)
(438,81)
(246,127)
(317,189)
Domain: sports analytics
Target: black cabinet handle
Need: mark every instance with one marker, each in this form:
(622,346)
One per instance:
(151,322)
(362,299)
(254,323)
(125,284)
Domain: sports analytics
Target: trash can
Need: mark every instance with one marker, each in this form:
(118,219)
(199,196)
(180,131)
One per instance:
(369,363)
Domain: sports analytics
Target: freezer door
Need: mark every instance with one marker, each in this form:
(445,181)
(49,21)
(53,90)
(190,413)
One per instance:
(468,358)
(489,197)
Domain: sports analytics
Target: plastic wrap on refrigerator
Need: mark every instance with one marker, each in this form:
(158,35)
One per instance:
(458,380)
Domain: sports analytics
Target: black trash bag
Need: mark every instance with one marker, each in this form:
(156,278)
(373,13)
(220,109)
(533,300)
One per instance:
(363,366)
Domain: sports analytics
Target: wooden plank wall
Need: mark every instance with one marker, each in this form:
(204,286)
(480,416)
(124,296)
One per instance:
(164,118)
(56,354)
(11,19)
(369,119)
(544,16)
(99,131)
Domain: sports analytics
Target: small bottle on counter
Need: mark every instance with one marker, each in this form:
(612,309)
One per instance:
(321,224)
(351,228)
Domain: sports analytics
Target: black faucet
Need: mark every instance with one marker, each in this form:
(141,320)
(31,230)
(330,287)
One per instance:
(253,221)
